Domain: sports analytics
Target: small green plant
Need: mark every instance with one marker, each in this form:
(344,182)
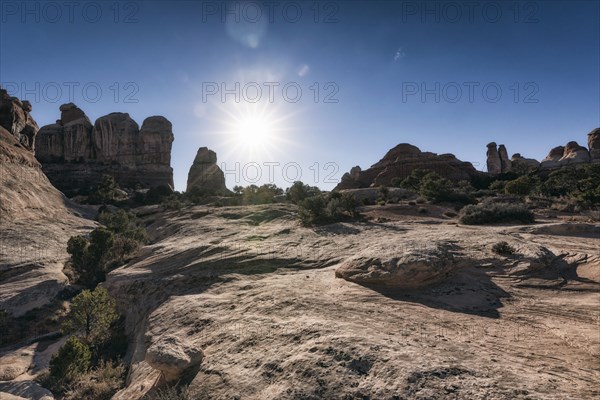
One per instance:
(489,212)
(503,248)
(73,359)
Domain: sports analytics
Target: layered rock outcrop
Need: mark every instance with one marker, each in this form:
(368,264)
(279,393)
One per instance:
(36,220)
(15,118)
(400,161)
(570,154)
(76,154)
(205,177)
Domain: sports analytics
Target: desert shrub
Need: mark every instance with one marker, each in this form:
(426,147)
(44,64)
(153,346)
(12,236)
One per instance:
(491,212)
(106,248)
(438,189)
(580,182)
(101,383)
(498,186)
(311,211)
(88,256)
(422,210)
(383,193)
(71,360)
(503,248)
(413,181)
(300,191)
(522,186)
(124,224)
(253,194)
(173,202)
(92,314)
(318,210)
(105,192)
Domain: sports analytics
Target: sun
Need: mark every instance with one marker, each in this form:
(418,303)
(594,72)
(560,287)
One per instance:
(253,131)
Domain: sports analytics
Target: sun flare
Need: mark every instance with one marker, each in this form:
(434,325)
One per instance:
(253,131)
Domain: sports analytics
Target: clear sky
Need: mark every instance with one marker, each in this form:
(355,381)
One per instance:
(448,77)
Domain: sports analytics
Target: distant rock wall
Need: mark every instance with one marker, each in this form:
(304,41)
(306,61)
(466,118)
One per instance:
(570,154)
(400,161)
(76,154)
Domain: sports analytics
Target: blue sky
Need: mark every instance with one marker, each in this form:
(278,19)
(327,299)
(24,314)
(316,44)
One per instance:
(372,75)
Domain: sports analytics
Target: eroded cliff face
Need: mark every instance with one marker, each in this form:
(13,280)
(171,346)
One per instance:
(400,161)
(15,118)
(75,153)
(36,220)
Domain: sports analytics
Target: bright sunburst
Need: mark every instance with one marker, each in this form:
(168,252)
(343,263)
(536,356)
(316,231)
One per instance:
(253,131)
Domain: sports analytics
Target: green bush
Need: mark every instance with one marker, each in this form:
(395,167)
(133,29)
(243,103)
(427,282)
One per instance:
(73,359)
(318,210)
(490,212)
(522,186)
(300,191)
(105,192)
(435,188)
(92,314)
(106,248)
(413,181)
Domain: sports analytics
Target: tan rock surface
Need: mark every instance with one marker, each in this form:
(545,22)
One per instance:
(257,293)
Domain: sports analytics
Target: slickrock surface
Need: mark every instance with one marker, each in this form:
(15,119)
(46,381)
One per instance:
(244,303)
(36,221)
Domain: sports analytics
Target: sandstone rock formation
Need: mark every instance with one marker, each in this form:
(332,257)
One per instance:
(551,160)
(504,161)
(400,161)
(174,356)
(570,154)
(494,164)
(76,154)
(594,144)
(36,220)
(15,118)
(520,164)
(205,176)
(497,159)
(409,267)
